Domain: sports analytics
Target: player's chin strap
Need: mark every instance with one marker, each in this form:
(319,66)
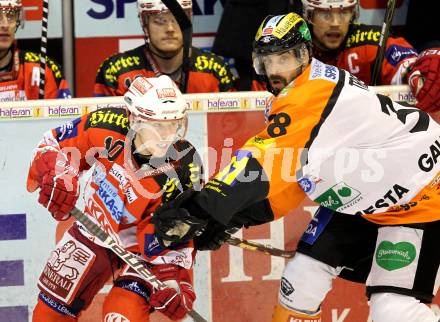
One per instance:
(131,259)
(182,227)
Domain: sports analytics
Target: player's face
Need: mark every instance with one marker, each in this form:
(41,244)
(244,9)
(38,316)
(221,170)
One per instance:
(281,69)
(8,25)
(331,26)
(164,32)
(155,137)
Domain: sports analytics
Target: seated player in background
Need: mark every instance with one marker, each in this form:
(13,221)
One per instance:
(162,53)
(20,70)
(340,41)
(140,160)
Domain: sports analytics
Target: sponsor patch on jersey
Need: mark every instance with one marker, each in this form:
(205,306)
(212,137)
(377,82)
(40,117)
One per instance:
(152,246)
(268,108)
(177,254)
(68,130)
(363,35)
(64,93)
(119,64)
(338,196)
(12,96)
(110,119)
(118,173)
(317,225)
(323,71)
(395,54)
(307,184)
(390,198)
(114,204)
(98,174)
(229,175)
(65,269)
(205,63)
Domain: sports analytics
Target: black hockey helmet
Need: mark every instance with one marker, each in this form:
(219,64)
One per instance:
(279,34)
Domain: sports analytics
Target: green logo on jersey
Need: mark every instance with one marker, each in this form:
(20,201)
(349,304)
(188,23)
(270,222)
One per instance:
(391,256)
(337,196)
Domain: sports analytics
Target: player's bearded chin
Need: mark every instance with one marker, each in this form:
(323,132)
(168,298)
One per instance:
(277,83)
(164,54)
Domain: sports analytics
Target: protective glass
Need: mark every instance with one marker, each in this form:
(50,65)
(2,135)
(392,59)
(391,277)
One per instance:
(289,60)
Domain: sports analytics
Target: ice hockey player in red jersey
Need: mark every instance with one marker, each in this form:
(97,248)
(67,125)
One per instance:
(20,70)
(140,159)
(162,54)
(340,41)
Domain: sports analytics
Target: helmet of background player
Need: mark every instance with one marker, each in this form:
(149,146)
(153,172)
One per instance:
(282,50)
(162,32)
(157,114)
(330,20)
(11,16)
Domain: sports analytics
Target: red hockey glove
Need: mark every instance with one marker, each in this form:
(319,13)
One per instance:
(424,80)
(58,182)
(176,300)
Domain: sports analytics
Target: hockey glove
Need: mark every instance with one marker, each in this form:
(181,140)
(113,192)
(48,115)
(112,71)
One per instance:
(214,236)
(179,220)
(424,80)
(59,188)
(176,300)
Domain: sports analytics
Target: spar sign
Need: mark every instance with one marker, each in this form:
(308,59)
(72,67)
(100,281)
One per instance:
(111,18)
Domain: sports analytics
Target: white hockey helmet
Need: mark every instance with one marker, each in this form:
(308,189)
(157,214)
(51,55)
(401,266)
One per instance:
(15,6)
(310,5)
(157,6)
(155,98)
(157,114)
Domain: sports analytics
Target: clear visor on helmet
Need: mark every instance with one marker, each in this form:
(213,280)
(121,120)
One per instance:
(333,16)
(156,136)
(9,14)
(161,18)
(289,60)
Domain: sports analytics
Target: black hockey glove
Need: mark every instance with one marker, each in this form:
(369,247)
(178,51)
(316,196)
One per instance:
(179,220)
(214,236)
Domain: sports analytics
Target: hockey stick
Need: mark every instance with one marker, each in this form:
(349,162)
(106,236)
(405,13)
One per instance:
(43,48)
(269,250)
(181,228)
(131,259)
(186,28)
(385,32)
